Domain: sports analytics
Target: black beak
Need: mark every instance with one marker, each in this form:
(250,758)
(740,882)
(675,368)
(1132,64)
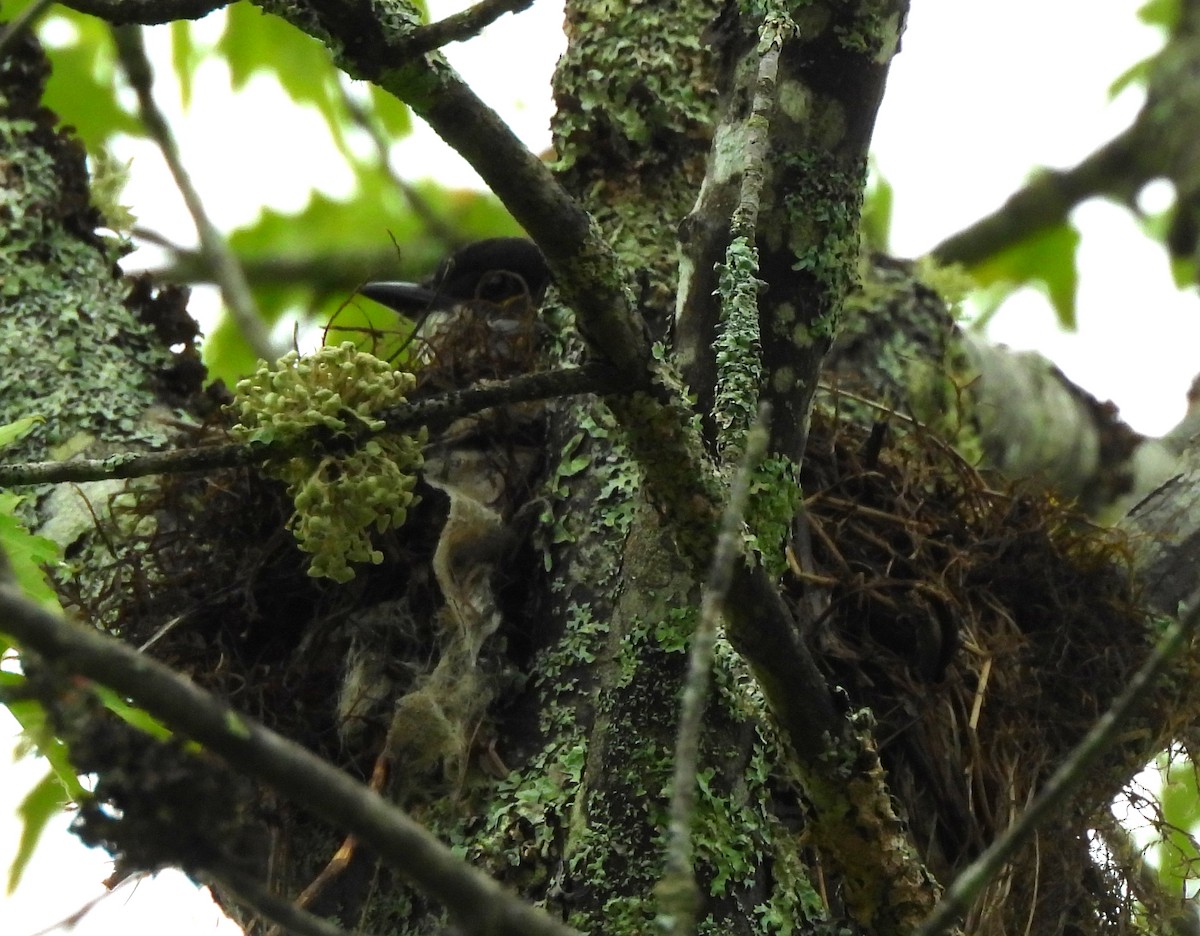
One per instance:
(494,271)
(411,299)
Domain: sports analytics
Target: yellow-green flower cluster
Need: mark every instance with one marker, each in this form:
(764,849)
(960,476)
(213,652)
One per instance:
(338,497)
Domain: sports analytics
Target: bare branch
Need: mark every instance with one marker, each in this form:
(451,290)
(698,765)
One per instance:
(458,27)
(217,253)
(147,12)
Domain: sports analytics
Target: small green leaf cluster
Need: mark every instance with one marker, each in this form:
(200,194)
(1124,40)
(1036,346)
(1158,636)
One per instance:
(338,498)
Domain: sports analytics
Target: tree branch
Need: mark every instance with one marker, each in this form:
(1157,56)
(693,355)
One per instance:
(295,920)
(372,38)
(475,901)
(216,251)
(146,12)
(458,27)
(435,413)
(678,891)
(1048,199)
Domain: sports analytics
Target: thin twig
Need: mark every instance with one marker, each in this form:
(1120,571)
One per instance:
(231,280)
(259,898)
(435,412)
(458,27)
(420,206)
(1054,795)
(775,31)
(679,894)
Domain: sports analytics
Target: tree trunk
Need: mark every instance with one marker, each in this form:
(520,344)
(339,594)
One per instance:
(909,648)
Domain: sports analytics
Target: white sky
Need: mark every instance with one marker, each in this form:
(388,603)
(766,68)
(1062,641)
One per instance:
(982,93)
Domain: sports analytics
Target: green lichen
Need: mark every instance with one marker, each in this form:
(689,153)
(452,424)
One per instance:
(615,478)
(775,498)
(823,205)
(670,92)
(109,178)
(69,334)
(338,498)
(950,281)
(667,440)
(874,31)
(530,809)
(738,355)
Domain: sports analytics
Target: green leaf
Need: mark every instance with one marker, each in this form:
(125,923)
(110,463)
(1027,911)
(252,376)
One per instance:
(254,41)
(128,712)
(45,801)
(876,224)
(1163,13)
(392,113)
(27,554)
(226,354)
(1183,272)
(17,430)
(1136,74)
(1180,802)
(185,58)
(82,87)
(31,716)
(1047,260)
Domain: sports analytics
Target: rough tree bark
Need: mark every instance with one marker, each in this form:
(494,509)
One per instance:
(908,650)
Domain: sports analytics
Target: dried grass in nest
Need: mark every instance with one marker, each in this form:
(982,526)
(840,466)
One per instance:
(986,629)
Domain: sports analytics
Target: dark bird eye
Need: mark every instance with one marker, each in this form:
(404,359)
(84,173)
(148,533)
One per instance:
(499,285)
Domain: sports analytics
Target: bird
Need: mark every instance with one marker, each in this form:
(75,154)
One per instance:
(476,316)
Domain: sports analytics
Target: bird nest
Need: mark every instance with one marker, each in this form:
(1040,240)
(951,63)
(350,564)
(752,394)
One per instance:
(987,628)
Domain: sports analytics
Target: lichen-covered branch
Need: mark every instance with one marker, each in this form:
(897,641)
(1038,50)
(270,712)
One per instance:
(737,348)
(1033,423)
(477,903)
(435,412)
(369,40)
(458,27)
(679,895)
(807,229)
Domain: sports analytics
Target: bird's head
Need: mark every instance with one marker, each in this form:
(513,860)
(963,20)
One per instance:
(494,271)
(476,316)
